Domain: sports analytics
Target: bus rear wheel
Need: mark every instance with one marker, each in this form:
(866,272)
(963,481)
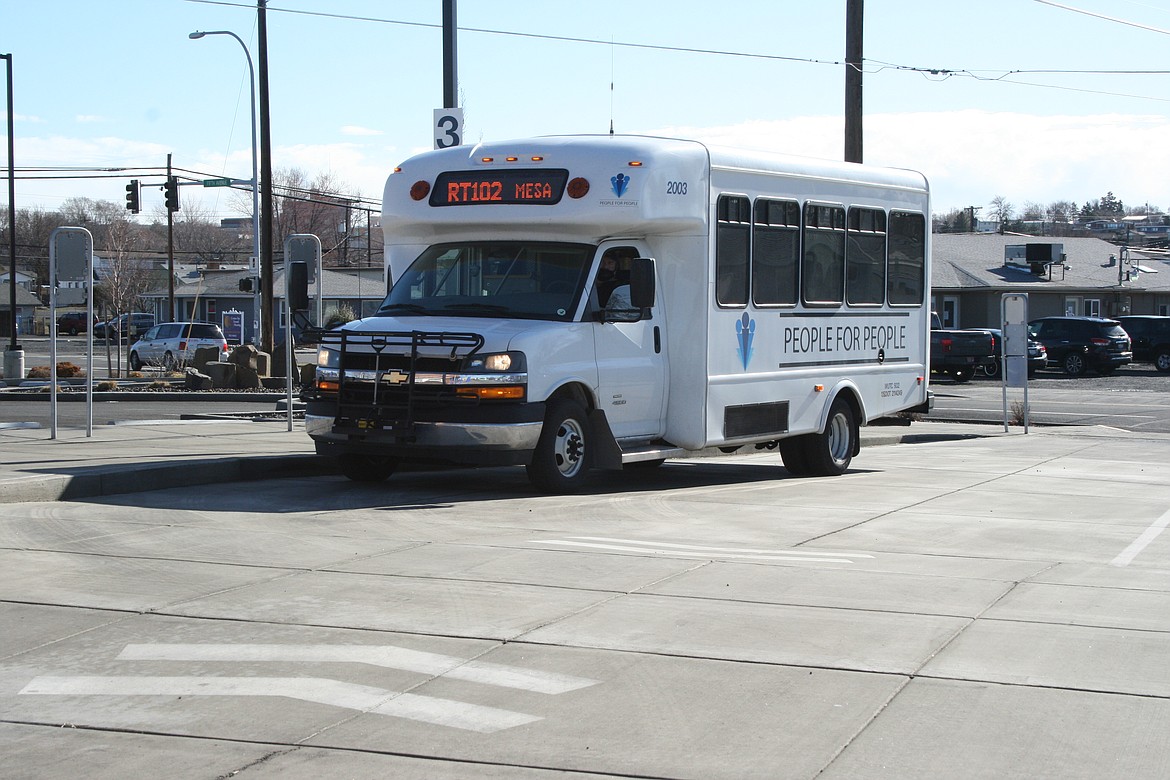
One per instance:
(829,453)
(793,453)
(560,463)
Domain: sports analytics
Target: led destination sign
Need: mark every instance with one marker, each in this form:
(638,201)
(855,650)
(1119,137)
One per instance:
(508,188)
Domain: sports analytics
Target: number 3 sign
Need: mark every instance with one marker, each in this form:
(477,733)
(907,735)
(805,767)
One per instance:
(448,127)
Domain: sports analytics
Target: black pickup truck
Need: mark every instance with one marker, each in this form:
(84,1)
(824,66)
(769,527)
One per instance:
(957,353)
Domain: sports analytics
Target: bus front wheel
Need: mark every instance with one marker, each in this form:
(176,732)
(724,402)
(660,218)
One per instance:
(366,468)
(560,462)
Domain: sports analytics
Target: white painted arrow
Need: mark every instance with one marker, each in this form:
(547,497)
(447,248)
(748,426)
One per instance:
(387,656)
(363,698)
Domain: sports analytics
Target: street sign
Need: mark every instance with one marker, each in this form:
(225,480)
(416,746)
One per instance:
(217,182)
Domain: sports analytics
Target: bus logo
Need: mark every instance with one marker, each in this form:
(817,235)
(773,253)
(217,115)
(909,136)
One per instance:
(745,332)
(619,184)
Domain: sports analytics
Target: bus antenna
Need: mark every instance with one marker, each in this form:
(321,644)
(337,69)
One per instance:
(611,85)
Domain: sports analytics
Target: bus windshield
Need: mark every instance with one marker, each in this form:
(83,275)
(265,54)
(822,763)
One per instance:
(497,279)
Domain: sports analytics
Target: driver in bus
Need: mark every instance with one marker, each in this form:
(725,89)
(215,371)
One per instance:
(613,280)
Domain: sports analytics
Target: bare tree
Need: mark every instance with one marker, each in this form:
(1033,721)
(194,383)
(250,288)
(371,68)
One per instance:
(1002,210)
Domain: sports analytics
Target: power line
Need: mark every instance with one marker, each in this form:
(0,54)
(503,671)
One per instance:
(927,71)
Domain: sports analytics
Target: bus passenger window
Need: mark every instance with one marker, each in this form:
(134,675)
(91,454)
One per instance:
(823,272)
(775,252)
(732,243)
(907,265)
(865,257)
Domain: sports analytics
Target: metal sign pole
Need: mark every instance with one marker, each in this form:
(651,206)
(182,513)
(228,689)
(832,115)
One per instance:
(70,260)
(1014,326)
(304,251)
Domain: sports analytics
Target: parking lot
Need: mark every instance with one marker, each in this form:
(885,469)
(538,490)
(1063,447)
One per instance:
(994,606)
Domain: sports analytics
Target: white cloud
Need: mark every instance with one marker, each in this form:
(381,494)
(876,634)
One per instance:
(87,119)
(970,157)
(358,130)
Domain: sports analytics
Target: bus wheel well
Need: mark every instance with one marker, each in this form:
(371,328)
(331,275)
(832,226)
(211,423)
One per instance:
(574,392)
(849,396)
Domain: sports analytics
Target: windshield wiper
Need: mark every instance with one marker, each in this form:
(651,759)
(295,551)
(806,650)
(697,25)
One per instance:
(488,307)
(414,308)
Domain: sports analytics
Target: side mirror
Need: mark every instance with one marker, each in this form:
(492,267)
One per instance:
(642,282)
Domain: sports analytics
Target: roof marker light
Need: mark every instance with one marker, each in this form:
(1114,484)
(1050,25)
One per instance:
(537,158)
(511,159)
(635,163)
(420,189)
(487,159)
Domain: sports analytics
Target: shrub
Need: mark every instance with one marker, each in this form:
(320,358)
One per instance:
(339,316)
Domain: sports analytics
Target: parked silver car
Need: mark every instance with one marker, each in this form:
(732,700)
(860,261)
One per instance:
(173,344)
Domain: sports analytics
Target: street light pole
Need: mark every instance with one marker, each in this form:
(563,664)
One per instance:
(258,316)
(13,356)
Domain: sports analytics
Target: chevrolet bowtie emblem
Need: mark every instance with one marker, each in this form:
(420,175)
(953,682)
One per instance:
(395,377)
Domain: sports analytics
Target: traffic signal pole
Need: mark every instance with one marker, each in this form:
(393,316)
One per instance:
(170,185)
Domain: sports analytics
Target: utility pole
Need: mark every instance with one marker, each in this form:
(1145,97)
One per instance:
(450,60)
(266,264)
(971,217)
(854,22)
(14,355)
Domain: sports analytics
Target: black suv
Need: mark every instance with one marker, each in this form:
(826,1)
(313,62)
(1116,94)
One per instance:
(73,323)
(1151,339)
(1079,343)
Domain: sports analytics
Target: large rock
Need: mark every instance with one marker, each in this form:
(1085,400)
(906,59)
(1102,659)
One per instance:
(247,356)
(205,355)
(247,378)
(223,375)
(194,380)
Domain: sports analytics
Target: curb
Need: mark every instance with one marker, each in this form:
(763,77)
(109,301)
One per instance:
(110,480)
(144,477)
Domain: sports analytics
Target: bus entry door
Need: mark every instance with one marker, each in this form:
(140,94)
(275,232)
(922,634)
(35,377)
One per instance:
(631,371)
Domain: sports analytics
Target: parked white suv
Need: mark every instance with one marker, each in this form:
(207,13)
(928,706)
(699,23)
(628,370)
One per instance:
(173,344)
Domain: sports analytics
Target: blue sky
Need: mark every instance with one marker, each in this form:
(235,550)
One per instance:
(1009,111)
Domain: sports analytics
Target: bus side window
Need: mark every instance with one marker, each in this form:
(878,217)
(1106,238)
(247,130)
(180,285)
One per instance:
(775,252)
(732,245)
(823,274)
(865,257)
(906,273)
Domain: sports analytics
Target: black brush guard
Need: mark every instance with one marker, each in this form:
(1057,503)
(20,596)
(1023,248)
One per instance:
(386,398)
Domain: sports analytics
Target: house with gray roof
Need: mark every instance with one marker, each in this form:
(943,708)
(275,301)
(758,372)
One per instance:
(208,294)
(1077,276)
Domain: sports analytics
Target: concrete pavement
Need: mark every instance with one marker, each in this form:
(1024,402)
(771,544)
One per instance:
(967,604)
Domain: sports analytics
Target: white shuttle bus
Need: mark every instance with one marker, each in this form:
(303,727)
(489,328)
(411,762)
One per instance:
(605,302)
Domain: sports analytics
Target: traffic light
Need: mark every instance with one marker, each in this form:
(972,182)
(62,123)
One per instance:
(247,284)
(171,193)
(132,192)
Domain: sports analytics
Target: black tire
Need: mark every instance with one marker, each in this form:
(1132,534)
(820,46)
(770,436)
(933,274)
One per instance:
(135,362)
(73,331)
(829,453)
(560,463)
(1074,364)
(991,368)
(963,374)
(367,468)
(1162,360)
(792,452)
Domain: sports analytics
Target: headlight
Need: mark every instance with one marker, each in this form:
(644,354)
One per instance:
(497,362)
(328,358)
